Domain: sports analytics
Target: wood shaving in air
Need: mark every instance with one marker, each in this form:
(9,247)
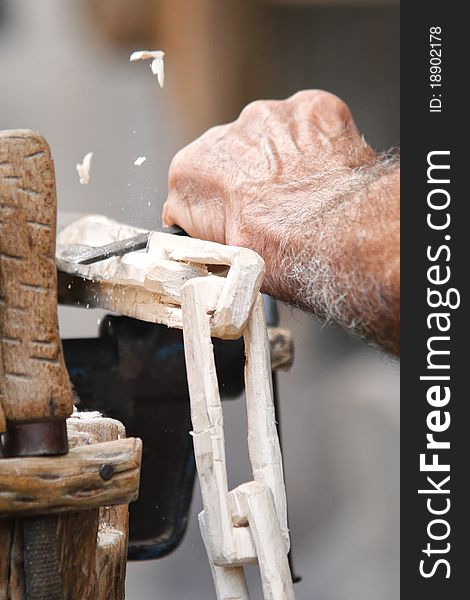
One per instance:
(156,65)
(84,169)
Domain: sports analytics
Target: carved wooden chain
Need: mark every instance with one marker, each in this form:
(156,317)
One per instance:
(173,283)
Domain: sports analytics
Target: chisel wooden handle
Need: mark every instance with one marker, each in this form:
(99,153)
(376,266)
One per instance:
(34,384)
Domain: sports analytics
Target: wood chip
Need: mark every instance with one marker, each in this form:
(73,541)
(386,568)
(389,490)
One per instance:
(84,169)
(156,65)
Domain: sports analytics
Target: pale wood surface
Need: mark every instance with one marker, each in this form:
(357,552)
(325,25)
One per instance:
(263,440)
(256,502)
(248,524)
(147,285)
(230,582)
(33,380)
(207,420)
(96,428)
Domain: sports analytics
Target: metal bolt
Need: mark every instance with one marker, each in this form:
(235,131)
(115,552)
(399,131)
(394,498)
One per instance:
(106,471)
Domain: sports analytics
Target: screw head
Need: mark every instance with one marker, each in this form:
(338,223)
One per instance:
(106,471)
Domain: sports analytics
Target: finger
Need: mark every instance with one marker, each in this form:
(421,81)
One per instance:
(176,212)
(167,219)
(201,217)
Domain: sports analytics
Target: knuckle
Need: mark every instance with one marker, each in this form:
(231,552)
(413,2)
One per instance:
(196,156)
(178,163)
(303,96)
(182,168)
(341,109)
(258,108)
(178,180)
(212,134)
(166,212)
(321,101)
(251,107)
(335,106)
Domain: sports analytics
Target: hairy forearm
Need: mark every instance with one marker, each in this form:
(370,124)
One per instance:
(342,263)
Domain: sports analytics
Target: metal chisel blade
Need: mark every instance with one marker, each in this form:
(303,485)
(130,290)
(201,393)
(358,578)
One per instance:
(86,255)
(81,254)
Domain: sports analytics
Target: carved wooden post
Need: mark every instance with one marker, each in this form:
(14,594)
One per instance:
(92,543)
(80,554)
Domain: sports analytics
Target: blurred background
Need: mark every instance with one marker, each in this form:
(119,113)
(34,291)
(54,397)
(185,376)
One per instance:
(65,73)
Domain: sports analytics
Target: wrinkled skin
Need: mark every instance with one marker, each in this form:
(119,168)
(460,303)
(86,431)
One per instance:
(295,180)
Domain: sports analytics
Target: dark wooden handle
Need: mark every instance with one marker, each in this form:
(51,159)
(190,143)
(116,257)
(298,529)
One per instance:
(34,383)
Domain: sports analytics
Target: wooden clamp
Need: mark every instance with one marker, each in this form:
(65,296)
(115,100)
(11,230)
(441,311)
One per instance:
(92,542)
(35,401)
(88,476)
